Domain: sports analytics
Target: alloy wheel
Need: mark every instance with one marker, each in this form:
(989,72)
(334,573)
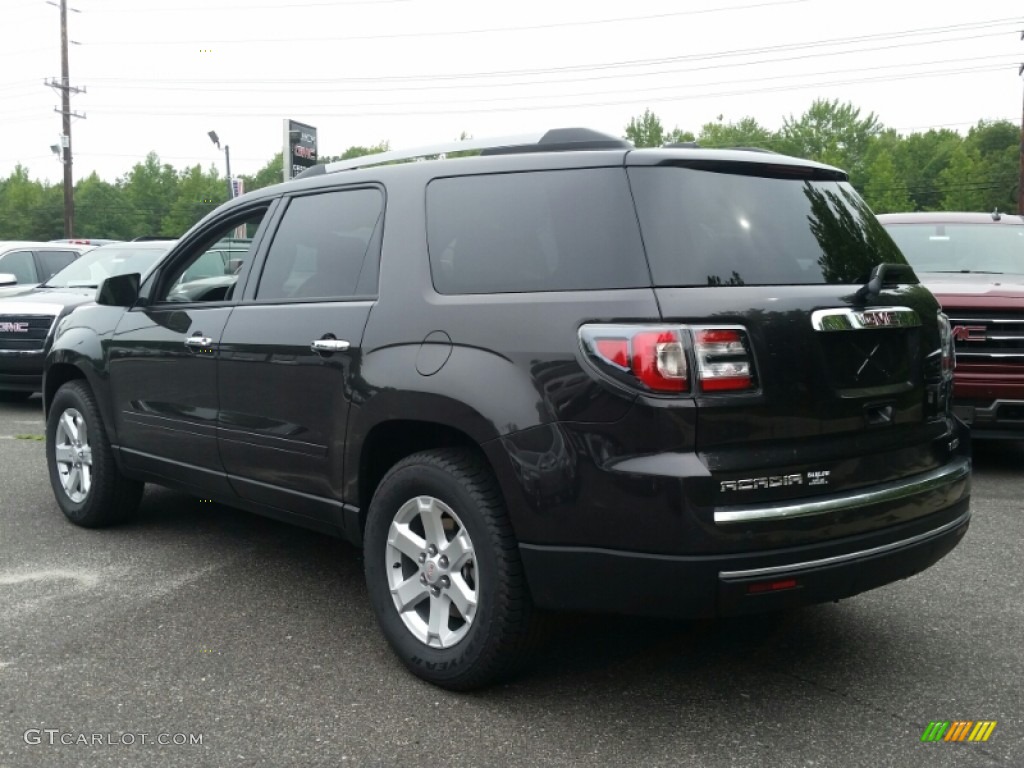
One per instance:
(432,573)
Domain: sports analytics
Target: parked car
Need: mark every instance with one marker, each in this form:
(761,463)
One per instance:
(93,241)
(27,319)
(25,264)
(566,374)
(974,264)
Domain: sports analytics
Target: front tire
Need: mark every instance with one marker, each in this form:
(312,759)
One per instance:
(88,486)
(443,571)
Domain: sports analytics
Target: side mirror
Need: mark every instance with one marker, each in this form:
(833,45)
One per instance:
(7,279)
(119,290)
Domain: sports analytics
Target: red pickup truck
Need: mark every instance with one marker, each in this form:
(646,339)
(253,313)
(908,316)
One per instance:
(974,264)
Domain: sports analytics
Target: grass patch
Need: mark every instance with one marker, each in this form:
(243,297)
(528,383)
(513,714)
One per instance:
(30,437)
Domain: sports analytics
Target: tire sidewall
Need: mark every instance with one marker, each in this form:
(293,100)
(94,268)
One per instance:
(408,482)
(70,396)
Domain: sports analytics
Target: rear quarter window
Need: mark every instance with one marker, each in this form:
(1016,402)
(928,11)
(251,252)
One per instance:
(540,231)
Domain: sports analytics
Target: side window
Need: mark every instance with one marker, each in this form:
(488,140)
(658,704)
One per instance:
(19,264)
(324,247)
(211,269)
(563,230)
(53,262)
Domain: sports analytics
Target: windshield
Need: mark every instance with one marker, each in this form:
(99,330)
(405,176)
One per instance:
(991,248)
(710,228)
(96,266)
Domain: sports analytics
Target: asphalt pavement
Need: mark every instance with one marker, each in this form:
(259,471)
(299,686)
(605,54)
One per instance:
(199,635)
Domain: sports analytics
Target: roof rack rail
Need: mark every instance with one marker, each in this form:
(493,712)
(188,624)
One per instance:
(753,149)
(555,140)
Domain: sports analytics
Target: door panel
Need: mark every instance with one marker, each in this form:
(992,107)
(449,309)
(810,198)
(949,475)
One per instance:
(163,358)
(164,383)
(283,404)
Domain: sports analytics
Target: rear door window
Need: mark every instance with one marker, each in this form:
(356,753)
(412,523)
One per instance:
(713,228)
(52,262)
(545,231)
(325,247)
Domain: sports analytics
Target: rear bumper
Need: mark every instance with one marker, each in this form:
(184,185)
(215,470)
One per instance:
(606,581)
(998,419)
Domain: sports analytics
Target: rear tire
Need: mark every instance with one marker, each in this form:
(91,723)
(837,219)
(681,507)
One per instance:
(88,486)
(438,542)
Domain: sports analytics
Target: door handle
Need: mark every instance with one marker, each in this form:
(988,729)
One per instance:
(198,341)
(328,346)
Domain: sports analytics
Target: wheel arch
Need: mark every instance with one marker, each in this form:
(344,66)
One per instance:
(64,366)
(388,442)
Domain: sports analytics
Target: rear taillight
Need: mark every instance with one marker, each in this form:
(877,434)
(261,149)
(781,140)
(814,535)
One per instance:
(672,360)
(723,361)
(947,345)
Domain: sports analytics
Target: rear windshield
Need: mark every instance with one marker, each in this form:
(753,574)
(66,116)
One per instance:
(709,228)
(996,248)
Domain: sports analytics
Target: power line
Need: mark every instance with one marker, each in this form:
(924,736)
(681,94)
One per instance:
(246,7)
(356,110)
(307,40)
(285,89)
(456,32)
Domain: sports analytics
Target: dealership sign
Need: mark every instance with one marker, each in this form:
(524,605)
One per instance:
(300,151)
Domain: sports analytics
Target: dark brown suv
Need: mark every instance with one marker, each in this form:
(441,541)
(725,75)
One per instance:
(565,375)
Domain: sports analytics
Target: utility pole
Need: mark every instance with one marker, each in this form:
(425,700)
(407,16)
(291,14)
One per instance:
(1020,179)
(64,86)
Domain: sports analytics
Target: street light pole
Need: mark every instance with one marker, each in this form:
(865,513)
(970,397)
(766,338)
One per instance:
(227,160)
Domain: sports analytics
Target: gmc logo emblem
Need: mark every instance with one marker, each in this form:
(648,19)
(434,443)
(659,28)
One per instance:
(969,332)
(878,319)
(13,327)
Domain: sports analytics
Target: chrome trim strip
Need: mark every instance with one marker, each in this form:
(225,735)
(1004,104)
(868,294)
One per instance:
(847,319)
(24,352)
(776,570)
(900,489)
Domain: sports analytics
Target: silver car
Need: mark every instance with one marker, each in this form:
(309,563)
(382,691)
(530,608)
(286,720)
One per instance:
(25,264)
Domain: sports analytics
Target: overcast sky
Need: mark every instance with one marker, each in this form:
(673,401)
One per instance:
(160,74)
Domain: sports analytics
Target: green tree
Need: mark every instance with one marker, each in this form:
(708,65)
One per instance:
(19,195)
(832,133)
(963,186)
(150,189)
(646,130)
(271,173)
(998,155)
(746,133)
(99,209)
(359,151)
(919,159)
(885,191)
(198,194)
